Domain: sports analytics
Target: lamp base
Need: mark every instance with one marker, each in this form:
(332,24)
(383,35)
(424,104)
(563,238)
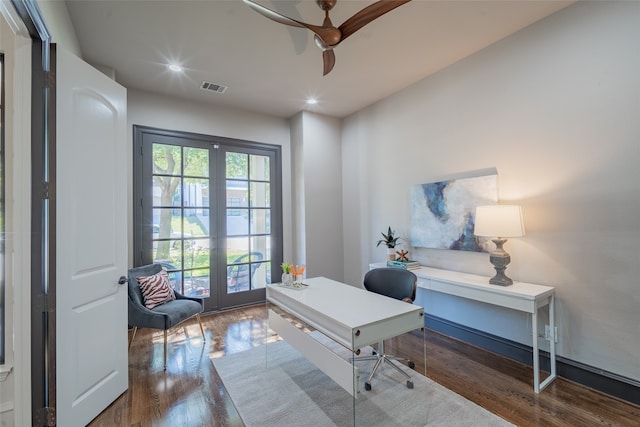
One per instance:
(500,259)
(501,280)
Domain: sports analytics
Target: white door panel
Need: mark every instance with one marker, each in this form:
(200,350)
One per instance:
(91,241)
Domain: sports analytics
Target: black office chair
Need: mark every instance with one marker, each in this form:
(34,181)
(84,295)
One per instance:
(394,283)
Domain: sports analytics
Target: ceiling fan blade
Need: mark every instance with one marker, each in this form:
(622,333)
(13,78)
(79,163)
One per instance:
(274,15)
(367,15)
(329,35)
(329,60)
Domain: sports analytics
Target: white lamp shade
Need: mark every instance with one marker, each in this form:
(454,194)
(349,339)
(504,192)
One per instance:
(499,221)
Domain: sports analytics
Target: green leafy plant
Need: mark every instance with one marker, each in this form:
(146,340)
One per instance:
(390,239)
(286,267)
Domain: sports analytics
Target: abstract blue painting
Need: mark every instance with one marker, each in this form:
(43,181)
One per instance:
(443,213)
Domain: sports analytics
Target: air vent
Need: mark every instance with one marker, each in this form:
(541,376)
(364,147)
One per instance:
(213,87)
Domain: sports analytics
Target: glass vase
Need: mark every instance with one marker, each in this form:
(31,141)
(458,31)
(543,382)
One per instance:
(287,279)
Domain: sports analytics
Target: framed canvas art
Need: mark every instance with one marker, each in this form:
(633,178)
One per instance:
(443,213)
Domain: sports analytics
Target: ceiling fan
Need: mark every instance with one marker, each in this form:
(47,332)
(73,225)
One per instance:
(327,36)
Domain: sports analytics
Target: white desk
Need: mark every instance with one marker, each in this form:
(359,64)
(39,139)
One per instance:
(348,315)
(520,296)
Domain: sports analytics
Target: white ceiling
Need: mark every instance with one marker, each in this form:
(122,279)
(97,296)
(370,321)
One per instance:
(271,68)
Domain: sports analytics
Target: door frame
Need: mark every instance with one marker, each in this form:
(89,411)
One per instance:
(43,224)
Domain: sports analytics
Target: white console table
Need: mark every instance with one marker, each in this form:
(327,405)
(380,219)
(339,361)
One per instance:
(520,296)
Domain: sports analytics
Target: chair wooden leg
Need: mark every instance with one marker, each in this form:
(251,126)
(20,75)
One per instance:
(201,328)
(133,335)
(165,349)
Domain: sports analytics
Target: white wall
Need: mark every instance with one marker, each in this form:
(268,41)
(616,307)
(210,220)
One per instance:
(298,254)
(317,170)
(58,23)
(555,108)
(147,109)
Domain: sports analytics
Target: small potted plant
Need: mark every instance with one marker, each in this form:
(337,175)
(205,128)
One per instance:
(287,277)
(390,240)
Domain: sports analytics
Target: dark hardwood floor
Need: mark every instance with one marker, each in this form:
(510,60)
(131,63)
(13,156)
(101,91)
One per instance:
(190,392)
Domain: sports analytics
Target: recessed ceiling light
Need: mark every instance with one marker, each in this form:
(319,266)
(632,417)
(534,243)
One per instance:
(312,101)
(176,68)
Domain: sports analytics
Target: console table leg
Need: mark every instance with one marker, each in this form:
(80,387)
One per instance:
(552,344)
(536,353)
(552,321)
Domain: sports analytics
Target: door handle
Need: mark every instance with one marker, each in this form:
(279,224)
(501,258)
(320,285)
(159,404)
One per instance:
(123,280)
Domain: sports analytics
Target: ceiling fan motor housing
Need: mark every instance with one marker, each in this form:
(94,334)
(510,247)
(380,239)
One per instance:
(326,4)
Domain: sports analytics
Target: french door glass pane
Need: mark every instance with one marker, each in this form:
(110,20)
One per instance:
(237,193)
(166,159)
(167,191)
(260,221)
(260,245)
(196,192)
(261,276)
(260,168)
(196,162)
(196,222)
(237,264)
(166,223)
(237,222)
(197,282)
(237,249)
(259,195)
(237,165)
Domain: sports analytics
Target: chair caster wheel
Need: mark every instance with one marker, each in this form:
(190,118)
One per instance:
(411,364)
(409,384)
(367,386)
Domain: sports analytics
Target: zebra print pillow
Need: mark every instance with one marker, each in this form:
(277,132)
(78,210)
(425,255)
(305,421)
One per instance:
(156,289)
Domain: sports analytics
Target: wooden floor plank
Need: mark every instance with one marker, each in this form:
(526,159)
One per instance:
(190,392)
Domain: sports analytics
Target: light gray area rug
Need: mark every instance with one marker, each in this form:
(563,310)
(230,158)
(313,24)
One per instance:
(285,389)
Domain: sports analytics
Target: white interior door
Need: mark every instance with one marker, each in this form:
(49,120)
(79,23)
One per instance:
(91,247)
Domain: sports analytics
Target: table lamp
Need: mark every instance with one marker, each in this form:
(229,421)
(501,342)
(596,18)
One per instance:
(499,221)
